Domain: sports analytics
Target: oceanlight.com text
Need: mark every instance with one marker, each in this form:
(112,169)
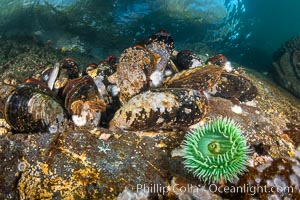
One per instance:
(189,188)
(250,189)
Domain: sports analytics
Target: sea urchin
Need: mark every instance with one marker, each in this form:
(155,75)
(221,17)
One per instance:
(216,151)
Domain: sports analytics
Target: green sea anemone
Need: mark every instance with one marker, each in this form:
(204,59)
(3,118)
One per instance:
(216,151)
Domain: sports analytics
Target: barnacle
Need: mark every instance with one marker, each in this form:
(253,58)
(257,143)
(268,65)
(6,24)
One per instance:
(216,151)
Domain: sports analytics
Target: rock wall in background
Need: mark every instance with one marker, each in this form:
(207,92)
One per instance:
(286,63)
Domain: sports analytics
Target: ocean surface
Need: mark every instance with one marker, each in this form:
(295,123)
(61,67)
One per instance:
(246,31)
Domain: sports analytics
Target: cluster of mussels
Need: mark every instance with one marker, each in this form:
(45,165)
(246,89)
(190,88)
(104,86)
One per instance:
(150,87)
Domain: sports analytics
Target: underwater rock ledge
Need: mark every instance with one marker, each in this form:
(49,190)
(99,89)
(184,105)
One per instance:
(85,163)
(78,163)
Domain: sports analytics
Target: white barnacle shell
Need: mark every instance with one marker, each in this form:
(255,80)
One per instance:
(156,78)
(228,67)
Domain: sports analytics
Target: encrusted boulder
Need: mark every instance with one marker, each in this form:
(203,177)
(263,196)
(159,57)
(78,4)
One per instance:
(286,62)
(84,163)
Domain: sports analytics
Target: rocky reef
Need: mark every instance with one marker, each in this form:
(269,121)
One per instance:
(143,162)
(286,63)
(22,57)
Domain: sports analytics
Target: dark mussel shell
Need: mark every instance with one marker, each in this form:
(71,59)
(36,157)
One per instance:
(45,74)
(71,66)
(161,109)
(199,78)
(103,69)
(161,44)
(83,101)
(31,109)
(160,54)
(67,69)
(106,69)
(37,84)
(219,60)
(91,70)
(5,91)
(214,80)
(235,86)
(162,37)
(100,75)
(188,59)
(100,72)
(135,66)
(112,61)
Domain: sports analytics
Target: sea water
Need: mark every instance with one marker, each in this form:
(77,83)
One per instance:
(246,31)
